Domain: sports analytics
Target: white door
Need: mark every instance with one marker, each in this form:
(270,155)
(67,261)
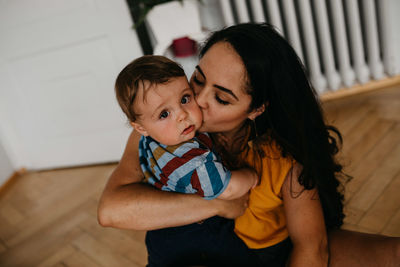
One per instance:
(58,63)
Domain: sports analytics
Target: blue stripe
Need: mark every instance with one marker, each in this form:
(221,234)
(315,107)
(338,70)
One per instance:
(213,174)
(182,184)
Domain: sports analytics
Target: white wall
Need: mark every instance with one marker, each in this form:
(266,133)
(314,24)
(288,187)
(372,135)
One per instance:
(6,167)
(58,64)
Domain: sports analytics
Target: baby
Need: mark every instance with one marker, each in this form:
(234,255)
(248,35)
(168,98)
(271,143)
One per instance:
(156,97)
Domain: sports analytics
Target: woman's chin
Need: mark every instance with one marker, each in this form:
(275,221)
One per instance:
(204,128)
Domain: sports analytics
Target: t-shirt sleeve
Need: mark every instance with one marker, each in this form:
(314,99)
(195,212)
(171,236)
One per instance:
(203,175)
(211,177)
(190,168)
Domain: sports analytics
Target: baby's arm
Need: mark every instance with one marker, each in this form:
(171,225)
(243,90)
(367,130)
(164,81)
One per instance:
(241,182)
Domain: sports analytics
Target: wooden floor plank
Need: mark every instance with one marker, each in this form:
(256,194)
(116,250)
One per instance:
(79,259)
(3,247)
(358,228)
(118,241)
(383,209)
(367,141)
(37,222)
(353,215)
(376,184)
(9,218)
(100,253)
(42,244)
(353,120)
(393,227)
(11,215)
(372,161)
(57,257)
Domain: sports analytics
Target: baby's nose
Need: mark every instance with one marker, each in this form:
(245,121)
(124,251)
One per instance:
(182,115)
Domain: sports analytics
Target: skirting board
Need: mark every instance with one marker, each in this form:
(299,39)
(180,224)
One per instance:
(10,181)
(361,88)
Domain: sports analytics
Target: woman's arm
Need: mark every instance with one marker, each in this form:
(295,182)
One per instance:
(128,203)
(305,222)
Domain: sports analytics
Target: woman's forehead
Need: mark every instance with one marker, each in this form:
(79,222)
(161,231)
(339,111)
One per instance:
(223,66)
(221,54)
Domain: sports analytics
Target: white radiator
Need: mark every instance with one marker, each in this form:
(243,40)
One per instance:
(341,43)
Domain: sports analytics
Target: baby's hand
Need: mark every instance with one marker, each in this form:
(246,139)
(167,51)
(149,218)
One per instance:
(256,179)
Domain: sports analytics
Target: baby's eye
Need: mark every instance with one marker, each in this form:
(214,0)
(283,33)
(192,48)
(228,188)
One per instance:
(164,114)
(185,99)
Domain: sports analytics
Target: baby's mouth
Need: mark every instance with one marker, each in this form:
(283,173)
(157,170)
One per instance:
(188,130)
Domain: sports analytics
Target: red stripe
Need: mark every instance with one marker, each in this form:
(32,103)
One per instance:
(196,183)
(163,179)
(176,162)
(158,185)
(205,140)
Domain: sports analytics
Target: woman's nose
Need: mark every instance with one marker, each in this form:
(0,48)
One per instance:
(201,99)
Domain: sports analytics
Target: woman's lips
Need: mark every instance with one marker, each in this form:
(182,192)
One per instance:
(188,130)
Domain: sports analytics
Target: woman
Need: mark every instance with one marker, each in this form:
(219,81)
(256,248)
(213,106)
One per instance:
(247,68)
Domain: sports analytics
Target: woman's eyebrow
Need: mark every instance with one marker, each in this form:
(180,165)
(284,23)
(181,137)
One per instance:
(226,90)
(201,72)
(218,86)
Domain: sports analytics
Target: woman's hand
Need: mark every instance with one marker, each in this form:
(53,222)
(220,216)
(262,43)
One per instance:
(232,209)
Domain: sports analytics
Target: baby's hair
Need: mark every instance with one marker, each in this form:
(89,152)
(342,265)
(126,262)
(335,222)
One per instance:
(151,69)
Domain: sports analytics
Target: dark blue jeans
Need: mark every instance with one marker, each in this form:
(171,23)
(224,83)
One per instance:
(274,256)
(210,243)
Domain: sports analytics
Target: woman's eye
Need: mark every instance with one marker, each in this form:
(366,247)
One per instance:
(196,81)
(185,99)
(194,91)
(164,114)
(219,100)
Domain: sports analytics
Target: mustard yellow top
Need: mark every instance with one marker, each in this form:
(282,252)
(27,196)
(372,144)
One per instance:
(264,224)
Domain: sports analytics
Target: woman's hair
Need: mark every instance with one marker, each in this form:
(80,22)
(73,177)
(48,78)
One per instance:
(151,69)
(293,116)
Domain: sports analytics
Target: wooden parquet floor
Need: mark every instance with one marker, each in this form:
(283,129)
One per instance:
(48,218)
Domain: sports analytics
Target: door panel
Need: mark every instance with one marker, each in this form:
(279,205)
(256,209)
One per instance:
(58,63)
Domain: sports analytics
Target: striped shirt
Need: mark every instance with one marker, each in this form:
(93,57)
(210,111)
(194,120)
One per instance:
(191,167)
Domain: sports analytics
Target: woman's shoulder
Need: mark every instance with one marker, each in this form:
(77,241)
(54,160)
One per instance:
(269,158)
(270,163)
(272,150)
(274,156)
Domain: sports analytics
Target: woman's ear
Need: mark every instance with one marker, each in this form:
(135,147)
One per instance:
(139,128)
(257,112)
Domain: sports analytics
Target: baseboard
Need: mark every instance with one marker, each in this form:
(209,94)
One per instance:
(11,180)
(361,88)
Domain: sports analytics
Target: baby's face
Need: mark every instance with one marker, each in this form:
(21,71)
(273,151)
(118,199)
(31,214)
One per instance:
(169,112)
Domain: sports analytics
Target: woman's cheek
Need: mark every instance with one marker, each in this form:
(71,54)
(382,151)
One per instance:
(214,115)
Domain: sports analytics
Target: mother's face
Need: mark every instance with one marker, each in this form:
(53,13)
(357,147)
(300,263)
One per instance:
(219,82)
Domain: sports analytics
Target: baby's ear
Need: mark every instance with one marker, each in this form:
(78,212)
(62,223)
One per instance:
(138,127)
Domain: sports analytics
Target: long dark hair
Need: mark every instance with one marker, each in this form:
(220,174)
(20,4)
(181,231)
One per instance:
(293,117)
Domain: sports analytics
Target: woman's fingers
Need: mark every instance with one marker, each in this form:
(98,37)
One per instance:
(233,208)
